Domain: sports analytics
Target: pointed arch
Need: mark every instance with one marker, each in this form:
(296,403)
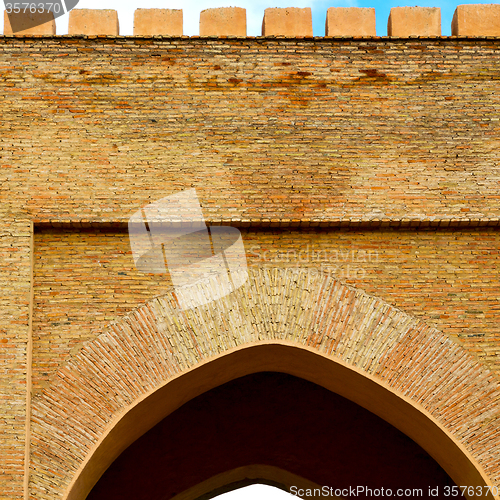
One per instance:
(312,326)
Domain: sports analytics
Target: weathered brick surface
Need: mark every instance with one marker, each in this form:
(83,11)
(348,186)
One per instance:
(313,311)
(267,130)
(83,281)
(15,293)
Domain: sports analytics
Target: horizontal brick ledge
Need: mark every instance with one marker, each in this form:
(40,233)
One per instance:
(350,224)
(256,38)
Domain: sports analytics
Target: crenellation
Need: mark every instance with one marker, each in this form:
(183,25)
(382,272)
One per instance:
(289,22)
(93,22)
(225,21)
(408,21)
(350,21)
(29,24)
(469,20)
(158,22)
(474,19)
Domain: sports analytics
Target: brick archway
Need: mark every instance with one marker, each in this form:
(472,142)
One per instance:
(152,361)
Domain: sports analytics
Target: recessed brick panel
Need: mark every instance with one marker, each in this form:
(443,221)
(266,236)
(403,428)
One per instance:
(350,21)
(158,22)
(93,22)
(476,20)
(223,21)
(72,265)
(408,21)
(291,21)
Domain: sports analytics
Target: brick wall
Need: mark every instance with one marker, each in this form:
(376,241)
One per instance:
(308,133)
(265,129)
(115,388)
(15,306)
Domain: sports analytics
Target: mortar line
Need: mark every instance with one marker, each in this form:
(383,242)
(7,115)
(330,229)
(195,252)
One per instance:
(29,369)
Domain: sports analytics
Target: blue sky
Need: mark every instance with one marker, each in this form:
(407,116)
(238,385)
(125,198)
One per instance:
(255,11)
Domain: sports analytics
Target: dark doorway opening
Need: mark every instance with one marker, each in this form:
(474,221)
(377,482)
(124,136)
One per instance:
(272,419)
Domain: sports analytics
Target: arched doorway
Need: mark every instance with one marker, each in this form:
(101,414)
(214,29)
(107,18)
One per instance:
(157,358)
(378,398)
(256,428)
